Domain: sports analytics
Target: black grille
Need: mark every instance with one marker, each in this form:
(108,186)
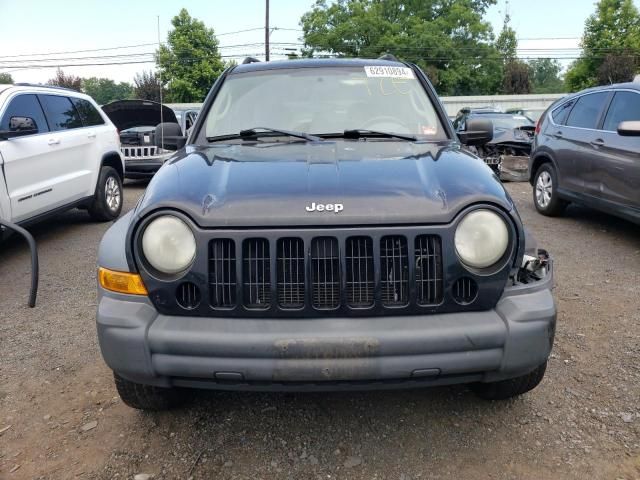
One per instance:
(394,270)
(428,258)
(325,273)
(290,268)
(222,273)
(256,279)
(465,290)
(188,296)
(360,271)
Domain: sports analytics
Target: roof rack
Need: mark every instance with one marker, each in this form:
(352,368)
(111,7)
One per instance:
(25,84)
(388,56)
(250,60)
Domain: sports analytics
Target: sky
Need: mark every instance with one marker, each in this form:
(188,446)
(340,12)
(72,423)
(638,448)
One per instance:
(47,30)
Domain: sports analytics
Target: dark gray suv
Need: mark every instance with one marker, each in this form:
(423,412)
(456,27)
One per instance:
(587,150)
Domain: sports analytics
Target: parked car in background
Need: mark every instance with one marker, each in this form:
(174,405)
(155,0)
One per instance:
(508,151)
(136,121)
(464,112)
(323,229)
(533,113)
(57,151)
(186,118)
(587,150)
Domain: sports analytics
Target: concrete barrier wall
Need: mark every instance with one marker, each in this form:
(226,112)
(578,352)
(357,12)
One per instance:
(454,104)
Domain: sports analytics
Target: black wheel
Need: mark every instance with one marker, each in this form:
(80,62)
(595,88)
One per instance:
(545,191)
(147,397)
(107,202)
(512,387)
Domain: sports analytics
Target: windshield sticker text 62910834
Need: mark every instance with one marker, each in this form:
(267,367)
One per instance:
(377,71)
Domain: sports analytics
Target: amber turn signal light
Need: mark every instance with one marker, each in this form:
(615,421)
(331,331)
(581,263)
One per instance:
(121,282)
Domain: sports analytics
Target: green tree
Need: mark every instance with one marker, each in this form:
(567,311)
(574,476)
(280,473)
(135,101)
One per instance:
(515,79)
(190,61)
(515,73)
(507,41)
(148,86)
(449,40)
(612,31)
(6,78)
(545,76)
(105,90)
(67,81)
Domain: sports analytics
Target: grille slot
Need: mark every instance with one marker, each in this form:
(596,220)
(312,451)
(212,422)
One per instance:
(465,290)
(325,273)
(222,273)
(359,271)
(428,258)
(188,296)
(394,270)
(290,272)
(256,277)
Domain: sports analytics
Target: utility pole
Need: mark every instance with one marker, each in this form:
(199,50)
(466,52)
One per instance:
(266,32)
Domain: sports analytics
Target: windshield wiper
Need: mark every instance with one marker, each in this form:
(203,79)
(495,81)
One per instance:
(364,133)
(262,132)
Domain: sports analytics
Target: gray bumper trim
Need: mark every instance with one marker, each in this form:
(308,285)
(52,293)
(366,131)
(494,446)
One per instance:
(229,353)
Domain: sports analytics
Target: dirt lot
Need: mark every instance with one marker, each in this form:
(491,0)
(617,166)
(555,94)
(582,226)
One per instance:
(60,416)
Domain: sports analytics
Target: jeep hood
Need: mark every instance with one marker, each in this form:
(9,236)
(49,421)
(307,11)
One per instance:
(138,113)
(270,185)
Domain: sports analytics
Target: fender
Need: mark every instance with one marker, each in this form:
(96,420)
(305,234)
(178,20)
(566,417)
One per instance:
(536,160)
(108,159)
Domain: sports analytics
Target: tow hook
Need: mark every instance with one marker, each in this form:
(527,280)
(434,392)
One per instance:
(34,258)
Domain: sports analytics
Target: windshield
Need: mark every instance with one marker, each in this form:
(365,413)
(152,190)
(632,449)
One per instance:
(321,100)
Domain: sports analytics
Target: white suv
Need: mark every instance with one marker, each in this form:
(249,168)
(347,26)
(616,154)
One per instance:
(57,151)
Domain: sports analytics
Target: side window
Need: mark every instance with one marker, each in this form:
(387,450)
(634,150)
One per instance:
(587,111)
(61,113)
(88,113)
(25,106)
(624,107)
(191,119)
(561,113)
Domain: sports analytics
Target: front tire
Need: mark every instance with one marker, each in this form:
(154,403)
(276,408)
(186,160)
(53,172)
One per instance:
(107,202)
(147,397)
(545,192)
(511,387)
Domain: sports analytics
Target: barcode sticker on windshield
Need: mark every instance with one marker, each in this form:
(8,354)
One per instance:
(388,72)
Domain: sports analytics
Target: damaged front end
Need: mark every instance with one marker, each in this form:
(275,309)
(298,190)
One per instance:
(508,153)
(534,268)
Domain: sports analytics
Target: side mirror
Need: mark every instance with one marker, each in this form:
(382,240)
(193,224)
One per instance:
(478,131)
(34,257)
(168,136)
(18,127)
(629,129)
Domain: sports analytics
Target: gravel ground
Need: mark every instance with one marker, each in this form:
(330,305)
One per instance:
(60,416)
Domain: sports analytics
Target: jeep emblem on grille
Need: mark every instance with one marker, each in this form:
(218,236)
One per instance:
(324,207)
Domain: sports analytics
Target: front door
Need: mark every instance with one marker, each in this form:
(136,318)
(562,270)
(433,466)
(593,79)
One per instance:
(618,165)
(583,140)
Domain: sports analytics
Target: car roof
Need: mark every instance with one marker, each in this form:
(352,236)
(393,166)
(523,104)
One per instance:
(604,88)
(49,89)
(314,63)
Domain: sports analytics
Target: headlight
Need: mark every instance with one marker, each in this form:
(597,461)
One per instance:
(168,244)
(481,238)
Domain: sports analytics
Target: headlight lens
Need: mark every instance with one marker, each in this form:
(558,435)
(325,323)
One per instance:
(168,244)
(481,238)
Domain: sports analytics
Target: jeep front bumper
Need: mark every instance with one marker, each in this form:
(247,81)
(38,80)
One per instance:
(328,353)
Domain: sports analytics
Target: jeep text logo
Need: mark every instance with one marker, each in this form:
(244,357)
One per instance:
(326,207)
